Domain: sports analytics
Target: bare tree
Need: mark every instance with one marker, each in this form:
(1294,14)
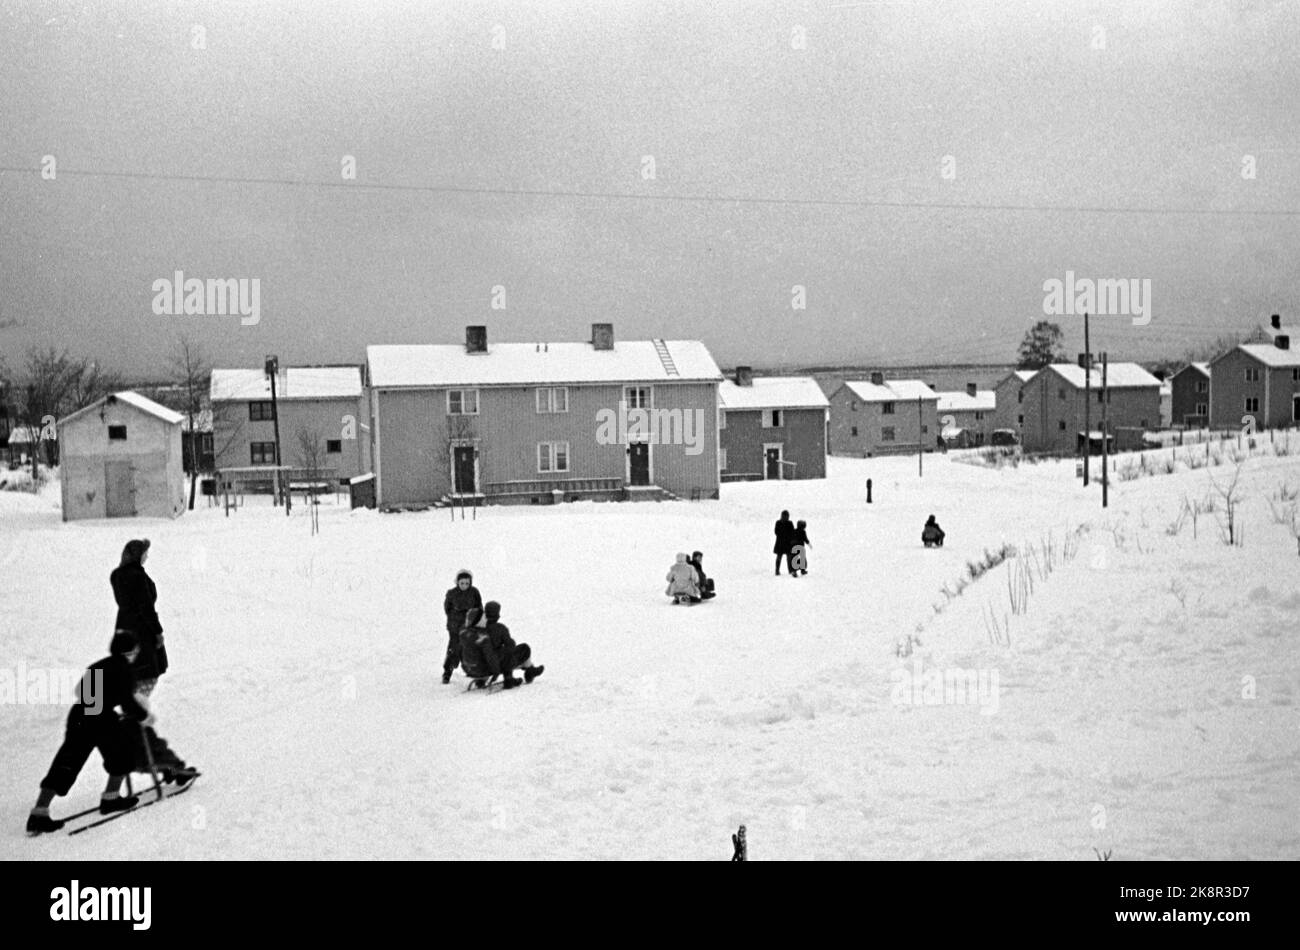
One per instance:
(311,453)
(56,384)
(192,373)
(1230,492)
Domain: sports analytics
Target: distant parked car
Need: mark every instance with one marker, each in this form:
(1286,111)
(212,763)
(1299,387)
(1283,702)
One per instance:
(1004,437)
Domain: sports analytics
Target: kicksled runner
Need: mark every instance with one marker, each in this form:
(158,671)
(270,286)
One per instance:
(180,781)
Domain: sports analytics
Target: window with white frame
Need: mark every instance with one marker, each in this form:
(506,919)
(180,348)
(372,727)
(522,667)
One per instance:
(1252,374)
(1295,375)
(1202,385)
(887,408)
(771,419)
(979,417)
(887,434)
(462,402)
(637,397)
(1252,404)
(1202,409)
(552,457)
(553,399)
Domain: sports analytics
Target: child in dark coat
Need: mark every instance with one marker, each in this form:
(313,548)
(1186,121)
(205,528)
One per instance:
(932,534)
(456,605)
(799,547)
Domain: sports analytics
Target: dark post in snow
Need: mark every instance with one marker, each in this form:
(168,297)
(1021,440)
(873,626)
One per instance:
(1105,438)
(1087,406)
(868,491)
(273,367)
(920,442)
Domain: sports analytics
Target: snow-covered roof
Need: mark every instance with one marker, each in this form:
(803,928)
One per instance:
(893,390)
(1118,376)
(315,382)
(1270,355)
(131,399)
(773,392)
(1292,331)
(1202,368)
(984,400)
(505,364)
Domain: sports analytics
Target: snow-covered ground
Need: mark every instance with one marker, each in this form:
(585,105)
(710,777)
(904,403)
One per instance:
(1146,702)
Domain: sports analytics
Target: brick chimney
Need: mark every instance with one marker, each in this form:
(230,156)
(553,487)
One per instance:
(970,389)
(1083,361)
(602,336)
(476,339)
(744,376)
(877,379)
(1276,321)
(1282,341)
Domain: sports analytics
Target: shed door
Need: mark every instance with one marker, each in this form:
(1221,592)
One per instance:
(119,490)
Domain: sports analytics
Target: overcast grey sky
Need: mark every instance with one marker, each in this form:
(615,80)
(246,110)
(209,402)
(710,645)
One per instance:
(176,158)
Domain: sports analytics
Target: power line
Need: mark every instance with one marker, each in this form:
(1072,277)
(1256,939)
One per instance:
(685,198)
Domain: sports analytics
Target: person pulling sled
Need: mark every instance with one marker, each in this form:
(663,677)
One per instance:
(932,535)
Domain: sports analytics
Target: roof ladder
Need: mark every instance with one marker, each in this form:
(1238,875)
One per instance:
(666,358)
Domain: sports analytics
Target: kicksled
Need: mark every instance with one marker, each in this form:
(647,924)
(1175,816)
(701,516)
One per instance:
(161,790)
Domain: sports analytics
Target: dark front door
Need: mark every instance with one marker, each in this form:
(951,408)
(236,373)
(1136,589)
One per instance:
(463,469)
(1295,408)
(773,463)
(639,463)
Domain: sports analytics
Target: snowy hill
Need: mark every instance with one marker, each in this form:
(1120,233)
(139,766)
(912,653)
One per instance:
(1145,701)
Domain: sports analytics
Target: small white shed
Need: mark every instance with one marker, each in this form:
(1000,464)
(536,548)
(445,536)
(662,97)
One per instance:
(120,457)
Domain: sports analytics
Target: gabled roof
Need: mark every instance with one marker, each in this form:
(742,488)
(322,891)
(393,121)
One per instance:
(1202,368)
(893,390)
(984,400)
(131,399)
(773,392)
(323,382)
(526,364)
(1021,375)
(1271,356)
(1118,376)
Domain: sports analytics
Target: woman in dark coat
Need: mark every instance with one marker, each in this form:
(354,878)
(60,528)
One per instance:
(136,595)
(784,542)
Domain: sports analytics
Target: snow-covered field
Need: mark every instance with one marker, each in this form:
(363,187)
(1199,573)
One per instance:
(1146,703)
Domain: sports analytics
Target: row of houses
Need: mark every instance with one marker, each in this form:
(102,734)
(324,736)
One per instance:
(541,422)
(1260,380)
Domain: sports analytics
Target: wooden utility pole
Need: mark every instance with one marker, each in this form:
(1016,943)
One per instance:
(281,483)
(1087,402)
(920,440)
(1105,438)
